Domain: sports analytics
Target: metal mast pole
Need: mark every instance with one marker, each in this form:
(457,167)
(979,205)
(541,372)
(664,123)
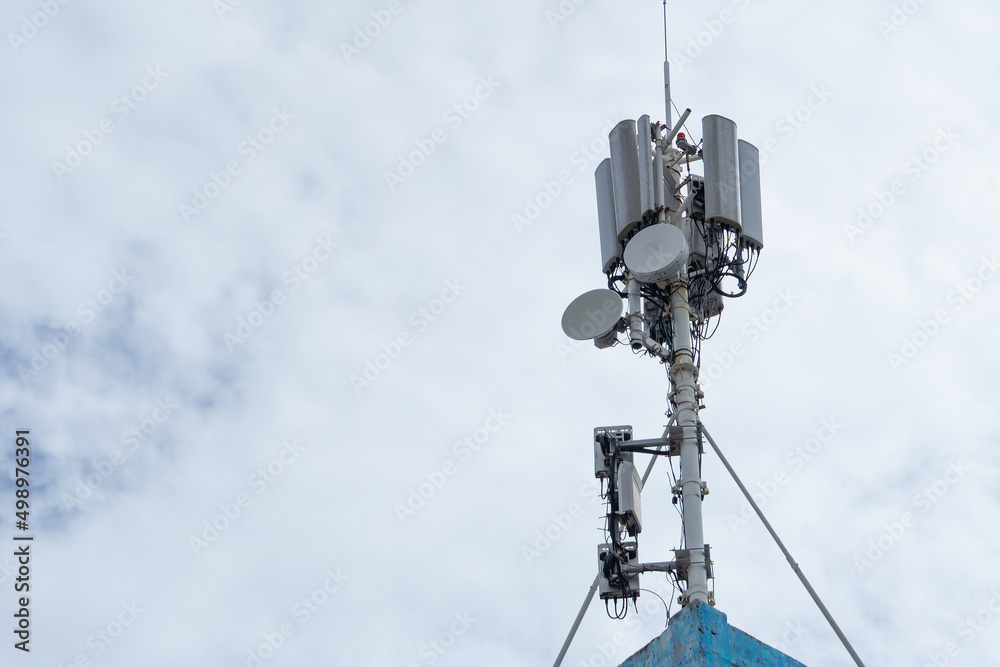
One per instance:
(683,374)
(685,398)
(666,69)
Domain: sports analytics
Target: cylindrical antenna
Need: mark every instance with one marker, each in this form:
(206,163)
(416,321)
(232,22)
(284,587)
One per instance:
(677,128)
(666,68)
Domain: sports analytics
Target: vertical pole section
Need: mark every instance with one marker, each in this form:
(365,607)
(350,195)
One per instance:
(635,314)
(685,398)
(666,67)
(683,375)
(661,186)
(666,92)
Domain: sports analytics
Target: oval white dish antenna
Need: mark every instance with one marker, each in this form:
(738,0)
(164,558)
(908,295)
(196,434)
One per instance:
(656,253)
(592,315)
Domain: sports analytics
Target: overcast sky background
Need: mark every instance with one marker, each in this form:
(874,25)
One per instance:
(134,355)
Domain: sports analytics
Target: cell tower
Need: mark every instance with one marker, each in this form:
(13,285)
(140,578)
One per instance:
(681,230)
(675,244)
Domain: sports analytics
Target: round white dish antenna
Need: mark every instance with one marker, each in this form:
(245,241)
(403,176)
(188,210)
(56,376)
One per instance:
(592,315)
(656,253)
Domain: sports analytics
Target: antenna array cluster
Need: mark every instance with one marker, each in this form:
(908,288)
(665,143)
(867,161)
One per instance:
(675,244)
(680,230)
(661,222)
(616,467)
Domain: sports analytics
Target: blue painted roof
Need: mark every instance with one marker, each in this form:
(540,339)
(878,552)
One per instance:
(700,636)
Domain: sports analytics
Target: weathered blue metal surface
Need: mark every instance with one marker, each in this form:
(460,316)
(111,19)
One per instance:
(700,636)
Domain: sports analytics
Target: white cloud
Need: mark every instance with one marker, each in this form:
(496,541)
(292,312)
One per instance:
(323,176)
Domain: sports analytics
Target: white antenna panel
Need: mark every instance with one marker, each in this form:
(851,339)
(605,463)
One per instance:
(611,247)
(629,501)
(647,181)
(625,175)
(750,209)
(722,171)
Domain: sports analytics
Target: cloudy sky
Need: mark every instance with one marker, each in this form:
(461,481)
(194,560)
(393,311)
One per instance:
(283,284)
